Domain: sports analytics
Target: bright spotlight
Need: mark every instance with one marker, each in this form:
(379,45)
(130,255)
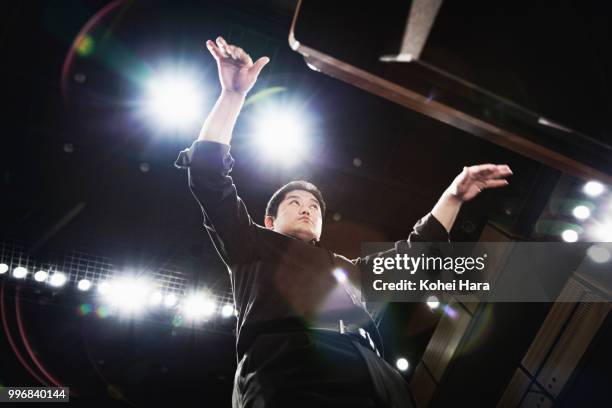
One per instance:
(581,212)
(156,298)
(129,294)
(104,288)
(593,188)
(599,254)
(198,306)
(3,268)
(603,232)
(170,300)
(569,235)
(41,276)
(433,302)
(174,99)
(340,275)
(84,285)
(20,272)
(227,310)
(281,136)
(57,279)
(402,364)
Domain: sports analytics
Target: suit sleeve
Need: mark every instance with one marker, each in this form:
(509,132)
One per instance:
(427,229)
(225,216)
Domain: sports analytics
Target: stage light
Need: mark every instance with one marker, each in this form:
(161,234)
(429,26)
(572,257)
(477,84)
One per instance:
(174,99)
(402,364)
(433,302)
(84,285)
(209,307)
(3,268)
(603,232)
(281,136)
(569,235)
(20,272)
(129,295)
(599,254)
(340,275)
(41,276)
(593,188)
(104,288)
(57,279)
(170,300)
(197,306)
(156,298)
(581,212)
(227,310)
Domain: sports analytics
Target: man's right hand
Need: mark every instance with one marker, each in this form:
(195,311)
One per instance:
(237,72)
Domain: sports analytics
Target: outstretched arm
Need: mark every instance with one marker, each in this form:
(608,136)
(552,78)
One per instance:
(237,74)
(210,163)
(465,187)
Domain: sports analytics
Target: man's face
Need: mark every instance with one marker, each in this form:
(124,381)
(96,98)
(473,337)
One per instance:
(299,215)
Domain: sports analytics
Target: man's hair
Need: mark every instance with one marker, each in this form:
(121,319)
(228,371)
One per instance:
(281,193)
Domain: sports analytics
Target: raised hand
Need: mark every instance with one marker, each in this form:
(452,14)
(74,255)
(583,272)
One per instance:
(237,71)
(474,179)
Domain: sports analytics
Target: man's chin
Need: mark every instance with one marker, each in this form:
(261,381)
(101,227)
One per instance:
(303,234)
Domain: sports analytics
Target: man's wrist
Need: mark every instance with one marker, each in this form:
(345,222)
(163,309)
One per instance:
(451,197)
(233,95)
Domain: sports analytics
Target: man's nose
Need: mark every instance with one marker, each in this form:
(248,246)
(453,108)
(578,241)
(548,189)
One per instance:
(305,210)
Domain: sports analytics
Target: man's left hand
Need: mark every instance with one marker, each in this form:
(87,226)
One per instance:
(474,179)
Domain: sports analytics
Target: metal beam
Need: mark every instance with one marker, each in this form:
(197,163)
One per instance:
(441,112)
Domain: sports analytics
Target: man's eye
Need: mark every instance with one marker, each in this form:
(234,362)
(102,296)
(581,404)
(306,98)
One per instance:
(293,202)
(316,207)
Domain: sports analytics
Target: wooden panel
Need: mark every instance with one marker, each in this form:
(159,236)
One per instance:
(551,328)
(566,354)
(515,390)
(446,338)
(536,398)
(496,261)
(422,386)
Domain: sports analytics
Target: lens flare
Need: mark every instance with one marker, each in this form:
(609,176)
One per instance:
(84,45)
(84,309)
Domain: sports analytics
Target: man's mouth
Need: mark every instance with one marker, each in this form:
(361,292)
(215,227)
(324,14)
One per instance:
(305,219)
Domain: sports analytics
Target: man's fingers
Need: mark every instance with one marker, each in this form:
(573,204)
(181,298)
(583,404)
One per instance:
(232,51)
(495,183)
(259,64)
(490,170)
(479,168)
(221,42)
(244,57)
(222,46)
(239,55)
(501,170)
(214,50)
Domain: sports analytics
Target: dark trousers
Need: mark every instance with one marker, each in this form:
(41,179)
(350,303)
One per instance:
(316,369)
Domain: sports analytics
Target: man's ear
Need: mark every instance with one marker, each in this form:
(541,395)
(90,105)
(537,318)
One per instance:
(269,222)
